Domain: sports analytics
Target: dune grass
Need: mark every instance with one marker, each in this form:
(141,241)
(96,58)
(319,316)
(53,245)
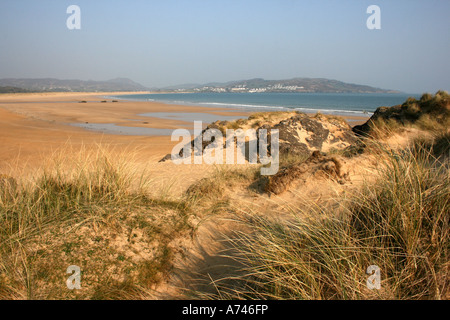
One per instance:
(93,211)
(429,113)
(400,223)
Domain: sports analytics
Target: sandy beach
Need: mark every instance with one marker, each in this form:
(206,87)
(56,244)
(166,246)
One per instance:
(34,124)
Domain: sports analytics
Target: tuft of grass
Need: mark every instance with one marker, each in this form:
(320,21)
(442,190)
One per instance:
(382,128)
(211,195)
(269,116)
(331,118)
(438,146)
(237,124)
(430,112)
(215,186)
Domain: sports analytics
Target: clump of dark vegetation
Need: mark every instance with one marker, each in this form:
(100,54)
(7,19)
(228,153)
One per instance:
(9,89)
(430,112)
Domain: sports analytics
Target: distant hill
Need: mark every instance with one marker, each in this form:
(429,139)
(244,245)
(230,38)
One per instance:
(125,84)
(56,85)
(289,85)
(184,86)
(10,89)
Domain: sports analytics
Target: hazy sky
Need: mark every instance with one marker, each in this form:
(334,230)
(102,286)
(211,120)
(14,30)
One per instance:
(168,42)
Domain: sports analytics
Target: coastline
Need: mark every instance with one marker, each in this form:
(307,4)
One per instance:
(34,124)
(260,102)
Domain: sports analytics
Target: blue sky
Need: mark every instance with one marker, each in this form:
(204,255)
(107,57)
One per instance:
(161,43)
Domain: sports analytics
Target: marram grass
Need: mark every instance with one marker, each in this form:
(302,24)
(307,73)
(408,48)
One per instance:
(399,223)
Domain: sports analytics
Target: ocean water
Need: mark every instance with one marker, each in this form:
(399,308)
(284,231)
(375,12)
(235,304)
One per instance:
(344,104)
(358,104)
(190,116)
(111,128)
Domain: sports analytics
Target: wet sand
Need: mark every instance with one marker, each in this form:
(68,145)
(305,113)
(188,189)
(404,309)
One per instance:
(32,125)
(34,128)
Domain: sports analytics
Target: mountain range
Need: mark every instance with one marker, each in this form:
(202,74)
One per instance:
(56,85)
(288,85)
(251,85)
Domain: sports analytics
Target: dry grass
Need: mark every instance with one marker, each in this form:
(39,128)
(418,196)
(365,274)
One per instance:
(399,223)
(212,193)
(93,211)
(330,118)
(429,113)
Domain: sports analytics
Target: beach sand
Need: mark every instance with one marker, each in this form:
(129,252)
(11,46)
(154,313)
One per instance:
(34,125)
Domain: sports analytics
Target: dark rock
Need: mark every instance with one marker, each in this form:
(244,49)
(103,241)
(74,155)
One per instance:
(302,134)
(202,143)
(292,142)
(166,157)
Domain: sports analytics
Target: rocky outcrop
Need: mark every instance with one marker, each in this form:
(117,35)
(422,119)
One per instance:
(203,144)
(302,134)
(299,134)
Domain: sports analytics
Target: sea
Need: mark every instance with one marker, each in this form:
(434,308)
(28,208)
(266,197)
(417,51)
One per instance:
(344,104)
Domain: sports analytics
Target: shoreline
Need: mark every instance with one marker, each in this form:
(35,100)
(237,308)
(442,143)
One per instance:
(33,125)
(346,114)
